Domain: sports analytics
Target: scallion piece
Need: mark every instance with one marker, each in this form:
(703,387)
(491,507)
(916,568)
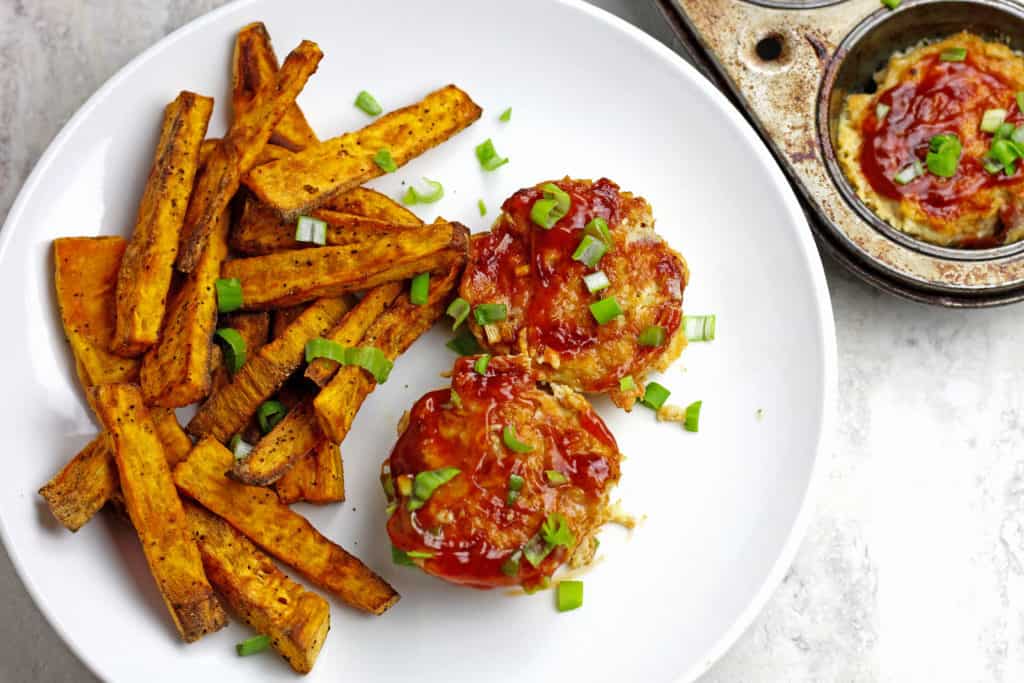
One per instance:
(589,251)
(485,314)
(324,348)
(1017,135)
(459,311)
(552,208)
(891,4)
(371,359)
(1004,131)
(692,423)
(515,485)
(627,383)
(508,435)
(238,447)
(233,348)
(252,646)
(909,173)
(536,549)
(420,554)
(881,111)
(426,483)
(269,414)
(506,115)
(480,366)
(992,119)
(953,54)
(699,328)
(400,557)
(655,396)
(229,294)
(652,336)
(605,310)
(596,281)
(556,478)
(943,157)
(419,289)
(368,103)
(464,343)
(387,482)
(992,166)
(434,192)
(482,207)
(1005,152)
(598,227)
(454,398)
(510,567)
(937,141)
(385,161)
(570,593)
(488,156)
(309,229)
(556,531)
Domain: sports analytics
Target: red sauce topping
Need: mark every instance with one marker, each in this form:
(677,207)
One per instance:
(949,97)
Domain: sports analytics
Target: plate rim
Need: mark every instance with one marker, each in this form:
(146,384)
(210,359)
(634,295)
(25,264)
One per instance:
(805,243)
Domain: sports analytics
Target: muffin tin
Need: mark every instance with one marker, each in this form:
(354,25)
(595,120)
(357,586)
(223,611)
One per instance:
(788,65)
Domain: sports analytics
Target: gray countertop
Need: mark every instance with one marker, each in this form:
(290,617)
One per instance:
(913,566)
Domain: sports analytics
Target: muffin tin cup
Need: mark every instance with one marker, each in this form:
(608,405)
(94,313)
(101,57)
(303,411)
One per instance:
(789,64)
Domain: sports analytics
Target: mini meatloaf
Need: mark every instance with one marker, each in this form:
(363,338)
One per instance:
(531,272)
(891,144)
(497,482)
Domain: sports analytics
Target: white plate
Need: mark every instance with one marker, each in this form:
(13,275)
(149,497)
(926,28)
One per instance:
(722,510)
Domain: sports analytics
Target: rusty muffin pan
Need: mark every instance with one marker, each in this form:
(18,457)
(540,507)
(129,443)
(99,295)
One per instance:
(789,64)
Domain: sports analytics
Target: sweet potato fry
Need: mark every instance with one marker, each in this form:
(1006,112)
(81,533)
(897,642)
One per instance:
(227,411)
(254,328)
(292,277)
(239,151)
(308,179)
(156,511)
(270,152)
(253,68)
(362,201)
(281,318)
(259,514)
(296,620)
(148,264)
(337,403)
(86,279)
(317,477)
(176,372)
(291,439)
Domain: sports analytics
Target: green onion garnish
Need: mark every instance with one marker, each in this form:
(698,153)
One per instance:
(556,478)
(992,119)
(459,310)
(510,567)
(627,383)
(506,115)
(368,103)
(420,554)
(426,483)
(488,157)
(570,593)
(252,646)
(309,229)
(892,4)
(552,208)
(1005,152)
(454,398)
(910,172)
(536,549)
(1004,131)
(480,366)
(324,348)
(508,435)
(385,161)
(944,155)
(699,327)
(589,251)
(233,348)
(596,281)
(229,294)
(937,141)
(992,166)
(881,111)
(515,485)
(1017,135)
(655,396)
(485,314)
(464,343)
(387,482)
(239,448)
(598,227)
(419,289)
(482,207)
(605,310)
(400,557)
(434,192)
(371,359)
(953,54)
(269,414)
(652,336)
(556,531)
(692,423)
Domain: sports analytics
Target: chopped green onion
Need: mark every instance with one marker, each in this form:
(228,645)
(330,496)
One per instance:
(1020,102)
(699,327)
(552,208)
(420,554)
(239,448)
(324,348)
(464,343)
(992,166)
(481,364)
(485,314)
(385,161)
(892,4)
(992,119)
(605,310)
(427,482)
(515,485)
(233,348)
(510,567)
(400,557)
(508,435)
(252,646)
(589,251)
(368,103)
(482,207)
(556,531)
(627,383)
(937,141)
(881,111)
(229,294)
(387,482)
(419,289)
(536,549)
(655,396)
(953,54)
(598,227)
(269,414)
(1006,153)
(454,398)
(506,115)
(556,478)
(944,155)
(596,281)
(371,359)
(570,593)
(1005,131)
(309,229)
(909,173)
(434,193)
(1017,135)
(652,336)
(459,310)
(488,156)
(692,423)
(390,508)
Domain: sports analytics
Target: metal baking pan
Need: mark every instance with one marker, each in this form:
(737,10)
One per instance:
(788,64)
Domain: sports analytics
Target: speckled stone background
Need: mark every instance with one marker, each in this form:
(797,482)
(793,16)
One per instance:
(913,567)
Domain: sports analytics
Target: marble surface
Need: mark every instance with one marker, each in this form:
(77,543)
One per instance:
(913,566)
